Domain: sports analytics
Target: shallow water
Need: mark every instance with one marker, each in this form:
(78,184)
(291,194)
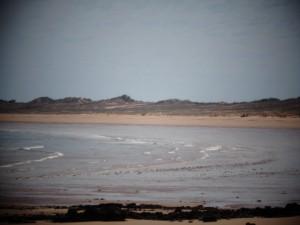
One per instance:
(71,164)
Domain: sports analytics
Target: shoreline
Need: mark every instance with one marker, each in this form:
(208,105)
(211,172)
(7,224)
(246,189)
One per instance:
(116,213)
(166,120)
(241,221)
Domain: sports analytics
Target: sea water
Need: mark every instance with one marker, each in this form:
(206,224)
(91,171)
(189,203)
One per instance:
(82,163)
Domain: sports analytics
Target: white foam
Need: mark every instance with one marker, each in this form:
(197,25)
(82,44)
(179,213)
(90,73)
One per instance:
(147,153)
(238,147)
(52,156)
(136,141)
(214,148)
(101,136)
(205,154)
(189,145)
(171,152)
(33,147)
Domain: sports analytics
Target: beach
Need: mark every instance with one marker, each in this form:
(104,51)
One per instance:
(65,160)
(209,121)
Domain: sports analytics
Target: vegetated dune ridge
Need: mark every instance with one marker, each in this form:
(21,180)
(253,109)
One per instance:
(126,105)
(272,113)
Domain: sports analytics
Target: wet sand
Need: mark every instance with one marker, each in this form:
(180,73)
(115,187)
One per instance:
(234,121)
(208,121)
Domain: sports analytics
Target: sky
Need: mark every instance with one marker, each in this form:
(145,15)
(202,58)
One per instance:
(202,50)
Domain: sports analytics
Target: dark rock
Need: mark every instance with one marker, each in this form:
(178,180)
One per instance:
(245,115)
(105,212)
(131,206)
(72,211)
(209,217)
(292,209)
(150,206)
(119,212)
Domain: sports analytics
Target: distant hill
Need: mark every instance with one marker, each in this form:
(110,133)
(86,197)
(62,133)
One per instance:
(174,101)
(47,100)
(42,100)
(124,104)
(120,99)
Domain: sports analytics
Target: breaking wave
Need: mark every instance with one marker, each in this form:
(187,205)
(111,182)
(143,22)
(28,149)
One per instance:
(205,154)
(52,156)
(188,145)
(136,141)
(214,148)
(33,147)
(122,140)
(205,151)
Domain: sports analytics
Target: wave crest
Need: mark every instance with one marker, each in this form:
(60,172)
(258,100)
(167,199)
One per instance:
(28,148)
(214,148)
(52,156)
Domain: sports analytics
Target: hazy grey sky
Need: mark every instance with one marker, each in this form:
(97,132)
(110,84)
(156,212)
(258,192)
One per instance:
(152,49)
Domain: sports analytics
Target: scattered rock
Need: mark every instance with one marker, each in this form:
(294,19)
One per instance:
(120,212)
(209,217)
(105,212)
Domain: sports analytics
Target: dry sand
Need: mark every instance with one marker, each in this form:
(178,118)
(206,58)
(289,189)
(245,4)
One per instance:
(257,221)
(220,121)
